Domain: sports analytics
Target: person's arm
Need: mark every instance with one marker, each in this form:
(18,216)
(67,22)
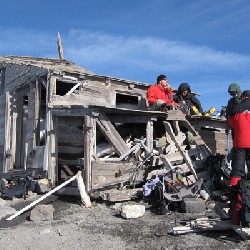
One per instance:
(197,103)
(230,122)
(229,111)
(151,95)
(176,99)
(169,96)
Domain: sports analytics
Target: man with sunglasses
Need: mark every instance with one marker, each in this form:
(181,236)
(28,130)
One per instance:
(160,95)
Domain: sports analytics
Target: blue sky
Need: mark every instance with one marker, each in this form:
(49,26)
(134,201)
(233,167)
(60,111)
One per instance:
(203,42)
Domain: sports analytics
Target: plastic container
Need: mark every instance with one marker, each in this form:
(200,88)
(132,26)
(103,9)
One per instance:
(204,194)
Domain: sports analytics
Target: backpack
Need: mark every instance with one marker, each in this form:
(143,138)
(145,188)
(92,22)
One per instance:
(217,167)
(169,188)
(18,189)
(244,189)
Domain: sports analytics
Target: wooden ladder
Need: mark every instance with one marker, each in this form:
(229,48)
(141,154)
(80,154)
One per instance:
(190,161)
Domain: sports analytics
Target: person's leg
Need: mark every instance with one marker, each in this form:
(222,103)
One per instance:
(238,172)
(238,162)
(157,105)
(248,162)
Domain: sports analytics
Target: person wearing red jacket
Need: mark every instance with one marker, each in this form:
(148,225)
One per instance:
(240,123)
(160,95)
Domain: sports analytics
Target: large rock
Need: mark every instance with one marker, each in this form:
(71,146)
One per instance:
(193,205)
(5,210)
(43,186)
(42,212)
(132,211)
(3,202)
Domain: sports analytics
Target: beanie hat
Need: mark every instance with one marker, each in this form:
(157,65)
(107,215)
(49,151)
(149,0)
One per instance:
(234,87)
(183,87)
(246,93)
(161,77)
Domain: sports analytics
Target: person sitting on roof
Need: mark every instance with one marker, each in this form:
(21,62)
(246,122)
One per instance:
(185,97)
(160,95)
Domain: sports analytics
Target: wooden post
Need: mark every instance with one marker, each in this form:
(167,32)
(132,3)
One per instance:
(37,113)
(60,48)
(149,135)
(89,148)
(7,144)
(52,149)
(84,197)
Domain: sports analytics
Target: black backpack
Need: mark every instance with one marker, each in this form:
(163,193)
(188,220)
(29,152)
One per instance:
(244,190)
(218,170)
(18,189)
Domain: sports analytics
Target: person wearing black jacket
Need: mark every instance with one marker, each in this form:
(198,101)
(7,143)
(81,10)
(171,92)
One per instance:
(184,96)
(235,93)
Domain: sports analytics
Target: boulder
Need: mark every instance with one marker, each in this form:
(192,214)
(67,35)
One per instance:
(43,186)
(193,205)
(132,211)
(42,212)
(5,210)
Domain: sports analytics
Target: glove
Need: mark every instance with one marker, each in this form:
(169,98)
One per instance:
(164,107)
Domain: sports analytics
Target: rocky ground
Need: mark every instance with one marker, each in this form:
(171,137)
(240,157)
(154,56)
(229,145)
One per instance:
(102,227)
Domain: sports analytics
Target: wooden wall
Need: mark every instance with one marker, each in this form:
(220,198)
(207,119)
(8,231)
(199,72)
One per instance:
(70,140)
(97,92)
(65,141)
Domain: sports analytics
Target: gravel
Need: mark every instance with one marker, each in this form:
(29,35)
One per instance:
(101,227)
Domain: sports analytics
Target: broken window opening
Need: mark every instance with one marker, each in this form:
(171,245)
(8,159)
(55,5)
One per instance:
(62,87)
(25,100)
(127,101)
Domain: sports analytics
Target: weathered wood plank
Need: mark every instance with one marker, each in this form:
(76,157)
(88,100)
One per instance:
(175,115)
(132,118)
(111,134)
(112,166)
(89,149)
(52,148)
(149,135)
(7,161)
(37,113)
(70,149)
(35,158)
(109,173)
(183,153)
(121,195)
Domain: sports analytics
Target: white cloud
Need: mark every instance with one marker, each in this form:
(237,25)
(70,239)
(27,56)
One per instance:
(147,53)
(137,58)
(104,50)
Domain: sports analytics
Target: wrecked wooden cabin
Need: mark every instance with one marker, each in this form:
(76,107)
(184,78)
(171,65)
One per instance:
(58,118)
